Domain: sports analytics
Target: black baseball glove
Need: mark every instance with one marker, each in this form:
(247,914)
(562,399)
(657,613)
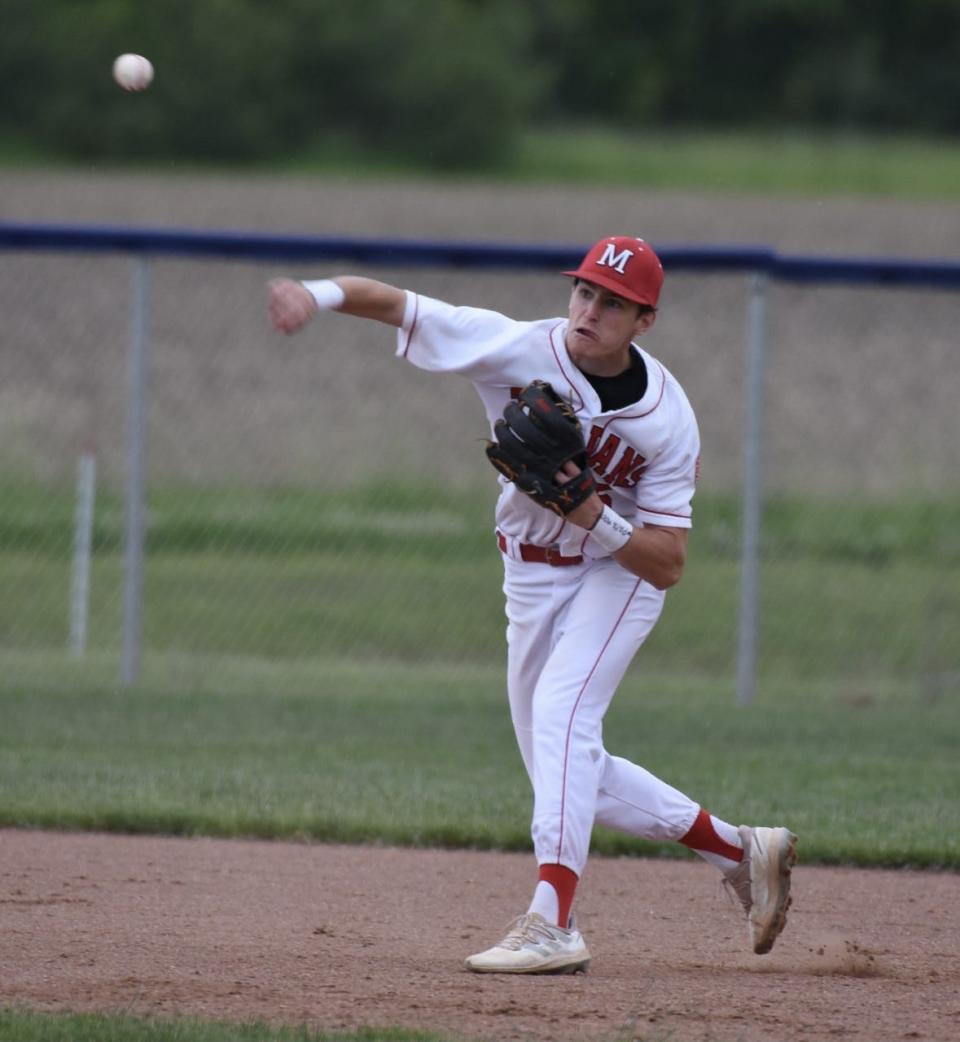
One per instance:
(538,434)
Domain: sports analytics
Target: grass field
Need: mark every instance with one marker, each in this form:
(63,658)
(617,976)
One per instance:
(863,596)
(783,162)
(233,747)
(787,162)
(26,1026)
(289,636)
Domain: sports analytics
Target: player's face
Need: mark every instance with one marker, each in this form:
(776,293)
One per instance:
(601,326)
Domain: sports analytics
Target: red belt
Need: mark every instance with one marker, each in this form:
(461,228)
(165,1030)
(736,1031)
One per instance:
(539,554)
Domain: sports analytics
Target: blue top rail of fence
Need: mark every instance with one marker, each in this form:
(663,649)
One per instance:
(428,253)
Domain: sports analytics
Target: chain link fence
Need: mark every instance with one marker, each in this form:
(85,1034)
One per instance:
(312,499)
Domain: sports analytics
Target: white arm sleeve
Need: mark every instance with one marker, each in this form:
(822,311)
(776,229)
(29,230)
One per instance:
(485,346)
(665,492)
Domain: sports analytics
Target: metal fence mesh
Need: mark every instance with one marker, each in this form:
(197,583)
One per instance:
(312,497)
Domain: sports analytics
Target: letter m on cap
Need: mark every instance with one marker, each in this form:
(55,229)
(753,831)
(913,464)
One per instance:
(610,258)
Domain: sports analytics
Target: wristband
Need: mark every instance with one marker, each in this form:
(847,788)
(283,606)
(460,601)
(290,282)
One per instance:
(328,295)
(611,531)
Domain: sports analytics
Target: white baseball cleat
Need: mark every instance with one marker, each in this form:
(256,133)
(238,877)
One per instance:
(762,882)
(532,945)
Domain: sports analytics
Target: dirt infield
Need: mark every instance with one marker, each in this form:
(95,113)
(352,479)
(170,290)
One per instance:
(338,937)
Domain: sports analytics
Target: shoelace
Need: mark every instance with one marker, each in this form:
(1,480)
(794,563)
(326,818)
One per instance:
(526,929)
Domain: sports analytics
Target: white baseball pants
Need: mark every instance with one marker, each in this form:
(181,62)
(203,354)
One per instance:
(571,633)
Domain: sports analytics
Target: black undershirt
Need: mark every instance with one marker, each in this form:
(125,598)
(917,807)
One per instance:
(617,392)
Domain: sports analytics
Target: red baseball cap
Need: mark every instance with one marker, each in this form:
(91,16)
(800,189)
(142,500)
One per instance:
(624,265)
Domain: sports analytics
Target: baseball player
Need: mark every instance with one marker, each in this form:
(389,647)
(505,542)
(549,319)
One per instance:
(597,449)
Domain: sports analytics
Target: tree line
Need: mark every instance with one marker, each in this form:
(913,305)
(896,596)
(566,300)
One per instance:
(453,83)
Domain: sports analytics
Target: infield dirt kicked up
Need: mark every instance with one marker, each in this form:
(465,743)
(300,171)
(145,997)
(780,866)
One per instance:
(337,937)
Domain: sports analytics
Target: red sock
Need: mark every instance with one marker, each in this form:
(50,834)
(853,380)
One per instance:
(703,836)
(564,880)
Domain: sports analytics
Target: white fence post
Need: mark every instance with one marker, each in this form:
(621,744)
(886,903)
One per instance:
(752,493)
(82,551)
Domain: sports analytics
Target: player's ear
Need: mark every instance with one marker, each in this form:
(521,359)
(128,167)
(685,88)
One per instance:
(645,320)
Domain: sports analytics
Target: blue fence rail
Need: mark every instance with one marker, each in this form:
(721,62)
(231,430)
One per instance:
(159,242)
(761,264)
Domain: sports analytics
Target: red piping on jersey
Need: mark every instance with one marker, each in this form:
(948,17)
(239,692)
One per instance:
(573,387)
(665,513)
(663,387)
(641,415)
(413,324)
(576,705)
(559,361)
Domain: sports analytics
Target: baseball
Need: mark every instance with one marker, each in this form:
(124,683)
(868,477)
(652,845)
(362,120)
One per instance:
(133,71)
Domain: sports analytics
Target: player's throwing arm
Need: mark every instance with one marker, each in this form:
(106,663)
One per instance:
(293,304)
(596,447)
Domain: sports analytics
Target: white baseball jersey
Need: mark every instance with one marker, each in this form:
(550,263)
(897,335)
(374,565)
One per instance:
(572,631)
(644,457)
